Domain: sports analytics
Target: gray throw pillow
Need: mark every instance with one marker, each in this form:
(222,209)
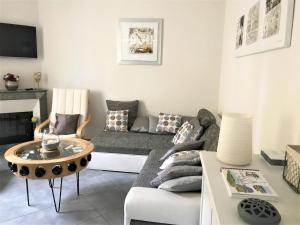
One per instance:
(183,184)
(197,130)
(210,138)
(191,145)
(153,121)
(131,106)
(141,125)
(191,157)
(206,118)
(65,124)
(175,172)
(187,118)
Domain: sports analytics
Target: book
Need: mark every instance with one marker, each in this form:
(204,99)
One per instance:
(247,183)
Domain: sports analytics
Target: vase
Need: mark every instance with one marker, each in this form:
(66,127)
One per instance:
(11,85)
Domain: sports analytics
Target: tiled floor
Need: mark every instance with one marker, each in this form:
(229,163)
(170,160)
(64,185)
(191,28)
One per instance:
(100,202)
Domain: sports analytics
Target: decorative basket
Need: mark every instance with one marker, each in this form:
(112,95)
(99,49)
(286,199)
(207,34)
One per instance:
(291,170)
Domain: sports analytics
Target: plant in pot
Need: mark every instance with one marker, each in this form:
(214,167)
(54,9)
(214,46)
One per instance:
(11,81)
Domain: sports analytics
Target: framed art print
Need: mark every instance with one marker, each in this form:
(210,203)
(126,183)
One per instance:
(140,41)
(267,25)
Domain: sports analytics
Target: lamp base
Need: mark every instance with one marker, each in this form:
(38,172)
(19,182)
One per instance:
(235,160)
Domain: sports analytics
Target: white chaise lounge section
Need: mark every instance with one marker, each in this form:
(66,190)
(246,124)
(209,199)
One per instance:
(159,206)
(117,162)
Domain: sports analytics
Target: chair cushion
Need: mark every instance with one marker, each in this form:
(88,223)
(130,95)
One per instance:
(65,124)
(132,106)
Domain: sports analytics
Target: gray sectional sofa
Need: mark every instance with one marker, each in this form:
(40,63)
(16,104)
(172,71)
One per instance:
(140,153)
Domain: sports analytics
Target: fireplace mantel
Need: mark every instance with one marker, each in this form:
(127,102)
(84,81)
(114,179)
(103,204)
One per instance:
(21,94)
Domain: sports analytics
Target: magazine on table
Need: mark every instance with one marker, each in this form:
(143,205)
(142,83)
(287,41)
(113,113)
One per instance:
(247,183)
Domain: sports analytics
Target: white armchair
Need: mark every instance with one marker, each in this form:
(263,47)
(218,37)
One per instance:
(67,101)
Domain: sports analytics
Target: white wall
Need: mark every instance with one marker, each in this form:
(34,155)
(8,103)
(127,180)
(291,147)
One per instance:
(80,50)
(265,85)
(24,12)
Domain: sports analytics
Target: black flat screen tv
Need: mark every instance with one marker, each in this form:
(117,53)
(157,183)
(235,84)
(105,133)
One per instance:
(17,41)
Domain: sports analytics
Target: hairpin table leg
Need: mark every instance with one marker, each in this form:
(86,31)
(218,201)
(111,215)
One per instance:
(27,192)
(77,178)
(51,184)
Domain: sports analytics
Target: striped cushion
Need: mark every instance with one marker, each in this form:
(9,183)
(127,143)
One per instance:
(183,133)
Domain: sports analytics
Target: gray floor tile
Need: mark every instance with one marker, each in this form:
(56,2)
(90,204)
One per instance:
(101,199)
(115,217)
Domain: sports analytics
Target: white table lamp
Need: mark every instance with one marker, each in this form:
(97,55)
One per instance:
(235,139)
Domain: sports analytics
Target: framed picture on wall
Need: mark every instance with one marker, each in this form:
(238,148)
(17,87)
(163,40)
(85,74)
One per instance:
(140,41)
(267,26)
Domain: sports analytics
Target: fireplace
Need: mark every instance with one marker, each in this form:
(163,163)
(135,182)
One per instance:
(15,127)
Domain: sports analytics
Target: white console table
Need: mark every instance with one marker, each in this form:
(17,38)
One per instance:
(217,208)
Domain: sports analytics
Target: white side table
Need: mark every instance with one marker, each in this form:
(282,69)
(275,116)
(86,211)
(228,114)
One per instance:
(218,208)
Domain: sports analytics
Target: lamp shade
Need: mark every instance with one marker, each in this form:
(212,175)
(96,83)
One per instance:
(235,139)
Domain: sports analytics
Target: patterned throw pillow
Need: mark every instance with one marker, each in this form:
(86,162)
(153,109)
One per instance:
(191,157)
(168,123)
(117,120)
(183,133)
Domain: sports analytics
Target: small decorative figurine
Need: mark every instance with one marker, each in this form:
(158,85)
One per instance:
(37,78)
(11,81)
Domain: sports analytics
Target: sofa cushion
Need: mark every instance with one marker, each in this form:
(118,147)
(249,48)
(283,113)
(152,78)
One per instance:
(116,120)
(175,172)
(197,130)
(141,125)
(132,106)
(206,118)
(160,141)
(150,169)
(153,121)
(183,184)
(130,140)
(210,138)
(191,157)
(183,134)
(192,145)
(169,123)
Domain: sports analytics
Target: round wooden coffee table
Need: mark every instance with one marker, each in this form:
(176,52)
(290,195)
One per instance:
(30,161)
